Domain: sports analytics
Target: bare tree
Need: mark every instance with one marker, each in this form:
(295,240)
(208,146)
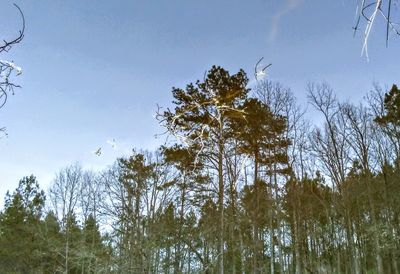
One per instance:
(90,195)
(64,195)
(359,122)
(9,69)
(329,142)
(282,101)
(331,147)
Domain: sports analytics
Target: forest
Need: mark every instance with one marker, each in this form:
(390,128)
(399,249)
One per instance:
(245,183)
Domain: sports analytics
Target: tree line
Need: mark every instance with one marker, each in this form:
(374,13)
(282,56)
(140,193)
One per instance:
(245,183)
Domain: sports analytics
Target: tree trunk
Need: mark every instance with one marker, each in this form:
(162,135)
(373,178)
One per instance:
(296,245)
(256,219)
(221,206)
(271,239)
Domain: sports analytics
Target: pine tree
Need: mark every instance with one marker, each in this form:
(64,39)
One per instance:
(134,177)
(94,255)
(260,135)
(53,244)
(21,247)
(201,120)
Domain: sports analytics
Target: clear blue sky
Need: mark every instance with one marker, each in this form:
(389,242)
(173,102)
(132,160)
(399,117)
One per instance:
(96,70)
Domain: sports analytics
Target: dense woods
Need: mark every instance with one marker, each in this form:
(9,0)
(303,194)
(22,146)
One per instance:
(245,183)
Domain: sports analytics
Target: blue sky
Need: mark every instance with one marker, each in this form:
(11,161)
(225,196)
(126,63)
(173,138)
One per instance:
(96,70)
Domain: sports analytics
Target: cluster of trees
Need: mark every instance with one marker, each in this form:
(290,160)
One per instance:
(34,240)
(245,184)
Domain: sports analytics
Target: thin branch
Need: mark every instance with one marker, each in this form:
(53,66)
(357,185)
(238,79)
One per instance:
(259,72)
(388,22)
(8,44)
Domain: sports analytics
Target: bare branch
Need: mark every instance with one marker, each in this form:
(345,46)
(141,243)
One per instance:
(260,72)
(6,46)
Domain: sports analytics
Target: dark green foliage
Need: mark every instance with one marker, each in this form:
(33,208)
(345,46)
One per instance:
(260,132)
(52,243)
(392,107)
(21,241)
(33,243)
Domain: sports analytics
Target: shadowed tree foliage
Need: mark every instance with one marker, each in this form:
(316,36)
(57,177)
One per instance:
(21,243)
(392,107)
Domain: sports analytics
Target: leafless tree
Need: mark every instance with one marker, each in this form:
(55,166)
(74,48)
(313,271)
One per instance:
(7,68)
(359,122)
(282,101)
(64,195)
(329,142)
(331,147)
